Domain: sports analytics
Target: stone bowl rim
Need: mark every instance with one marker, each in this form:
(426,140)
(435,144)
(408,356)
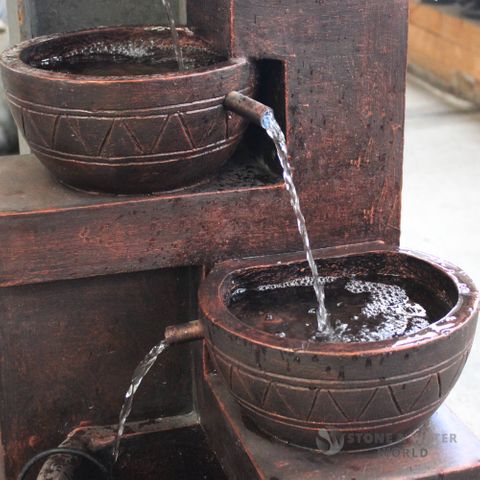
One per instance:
(214,310)
(11,59)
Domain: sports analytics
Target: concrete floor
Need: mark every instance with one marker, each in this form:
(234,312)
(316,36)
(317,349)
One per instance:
(441,204)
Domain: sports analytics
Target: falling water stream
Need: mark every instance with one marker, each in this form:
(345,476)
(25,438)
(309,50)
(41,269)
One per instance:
(324,328)
(274,131)
(138,375)
(175,40)
(147,363)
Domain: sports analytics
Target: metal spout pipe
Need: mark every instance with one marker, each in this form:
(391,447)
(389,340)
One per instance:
(184,332)
(248,108)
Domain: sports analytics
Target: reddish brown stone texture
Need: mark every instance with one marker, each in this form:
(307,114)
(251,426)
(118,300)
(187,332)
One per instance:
(68,350)
(443,448)
(344,101)
(342,96)
(125,135)
(293,388)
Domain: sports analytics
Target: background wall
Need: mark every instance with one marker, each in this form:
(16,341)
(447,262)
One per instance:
(39,17)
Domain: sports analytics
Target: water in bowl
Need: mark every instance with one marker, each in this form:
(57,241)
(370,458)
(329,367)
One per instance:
(360,309)
(119,65)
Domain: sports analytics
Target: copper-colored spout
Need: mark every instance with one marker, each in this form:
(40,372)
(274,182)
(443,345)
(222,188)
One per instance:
(184,332)
(245,106)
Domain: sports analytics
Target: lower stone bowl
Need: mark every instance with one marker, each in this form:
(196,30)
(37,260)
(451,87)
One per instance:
(331,396)
(106,110)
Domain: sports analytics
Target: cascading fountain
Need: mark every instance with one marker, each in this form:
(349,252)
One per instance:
(154,206)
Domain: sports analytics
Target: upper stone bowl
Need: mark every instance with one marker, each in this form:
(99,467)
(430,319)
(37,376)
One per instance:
(106,110)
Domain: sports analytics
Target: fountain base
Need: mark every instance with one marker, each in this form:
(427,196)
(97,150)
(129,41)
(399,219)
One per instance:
(171,447)
(442,448)
(177,447)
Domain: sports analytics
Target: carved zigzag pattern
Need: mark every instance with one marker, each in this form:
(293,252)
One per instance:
(340,405)
(123,136)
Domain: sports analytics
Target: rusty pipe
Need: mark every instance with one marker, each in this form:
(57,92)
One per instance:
(248,108)
(184,332)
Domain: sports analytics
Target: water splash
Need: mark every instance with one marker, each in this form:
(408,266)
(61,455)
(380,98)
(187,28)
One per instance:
(175,40)
(360,310)
(274,131)
(138,375)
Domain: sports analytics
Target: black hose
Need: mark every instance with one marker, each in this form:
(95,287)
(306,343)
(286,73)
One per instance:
(62,451)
